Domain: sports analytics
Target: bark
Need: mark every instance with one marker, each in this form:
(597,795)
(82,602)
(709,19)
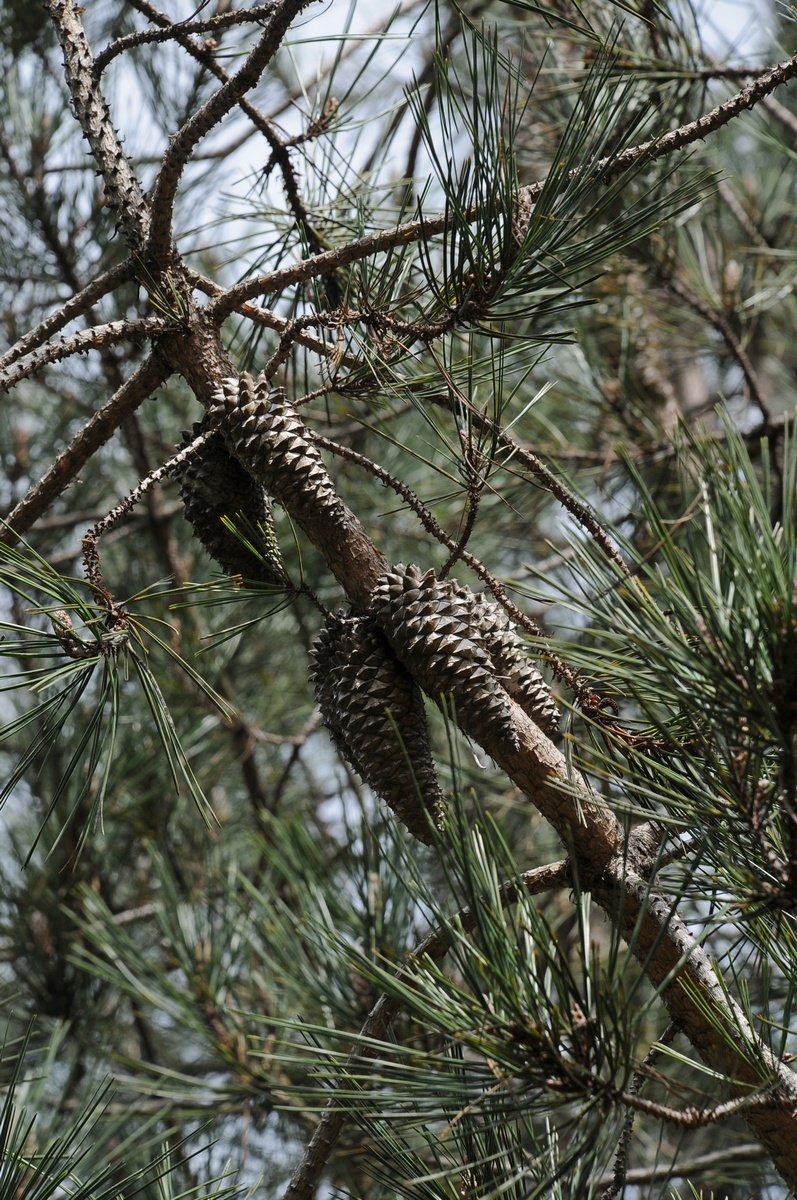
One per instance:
(122,187)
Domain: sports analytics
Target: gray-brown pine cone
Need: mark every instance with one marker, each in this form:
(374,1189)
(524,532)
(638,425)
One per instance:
(374,712)
(264,431)
(513,667)
(214,485)
(430,624)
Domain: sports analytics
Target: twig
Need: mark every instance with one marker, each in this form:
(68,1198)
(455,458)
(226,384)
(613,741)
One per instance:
(722,325)
(75,306)
(620,1174)
(472,511)
(93,535)
(514,450)
(683,1168)
(308,1172)
(214,24)
(80,343)
(734,206)
(781,114)
(698,1118)
(577,508)
(414,231)
(206,118)
(133,392)
(291,332)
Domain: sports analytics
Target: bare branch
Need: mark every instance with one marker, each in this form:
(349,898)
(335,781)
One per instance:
(123,189)
(620,1174)
(782,114)
(684,1168)
(214,24)
(207,117)
(126,506)
(737,208)
(74,307)
(699,1118)
(279,148)
(511,451)
(722,325)
(80,343)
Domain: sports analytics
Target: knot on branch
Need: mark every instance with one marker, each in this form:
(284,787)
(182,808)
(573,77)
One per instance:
(457,643)
(262,429)
(217,492)
(374,712)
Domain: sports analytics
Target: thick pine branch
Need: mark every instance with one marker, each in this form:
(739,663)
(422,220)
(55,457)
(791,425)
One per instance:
(123,188)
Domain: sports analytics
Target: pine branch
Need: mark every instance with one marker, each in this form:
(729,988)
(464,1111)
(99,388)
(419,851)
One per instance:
(123,188)
(81,342)
(307,1174)
(95,433)
(427,227)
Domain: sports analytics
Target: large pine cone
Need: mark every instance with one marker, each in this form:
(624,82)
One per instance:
(513,667)
(264,431)
(458,643)
(429,624)
(375,714)
(214,485)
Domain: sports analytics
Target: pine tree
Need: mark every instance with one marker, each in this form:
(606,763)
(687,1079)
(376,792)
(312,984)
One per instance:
(399,636)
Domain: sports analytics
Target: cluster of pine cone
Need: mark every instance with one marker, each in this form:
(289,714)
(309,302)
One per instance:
(422,632)
(456,643)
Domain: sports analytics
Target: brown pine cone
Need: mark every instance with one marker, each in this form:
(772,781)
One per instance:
(375,714)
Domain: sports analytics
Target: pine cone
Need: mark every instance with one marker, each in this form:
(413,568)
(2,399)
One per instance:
(430,624)
(514,669)
(263,430)
(214,485)
(374,712)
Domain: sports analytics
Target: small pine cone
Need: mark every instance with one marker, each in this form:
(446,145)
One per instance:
(264,431)
(214,485)
(514,669)
(429,623)
(374,712)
